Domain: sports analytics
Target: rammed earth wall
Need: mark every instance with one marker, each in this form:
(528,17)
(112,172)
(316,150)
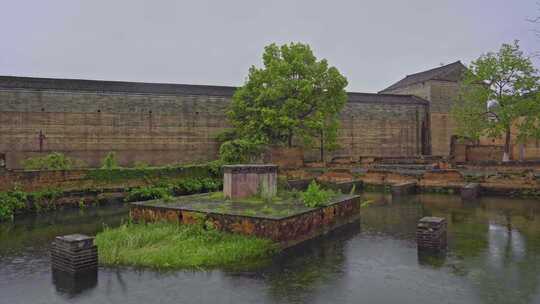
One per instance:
(172,123)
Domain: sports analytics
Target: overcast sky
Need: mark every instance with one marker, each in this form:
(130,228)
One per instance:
(373,43)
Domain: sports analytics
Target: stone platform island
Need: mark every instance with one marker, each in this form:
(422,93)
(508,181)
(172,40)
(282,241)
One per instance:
(284,220)
(279,216)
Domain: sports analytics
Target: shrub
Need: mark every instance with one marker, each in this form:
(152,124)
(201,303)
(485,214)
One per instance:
(148,193)
(210,184)
(314,196)
(109,162)
(141,165)
(53,161)
(188,186)
(238,151)
(10,203)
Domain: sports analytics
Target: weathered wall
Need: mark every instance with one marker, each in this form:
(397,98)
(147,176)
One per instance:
(157,129)
(441,95)
(162,124)
(376,129)
(97,179)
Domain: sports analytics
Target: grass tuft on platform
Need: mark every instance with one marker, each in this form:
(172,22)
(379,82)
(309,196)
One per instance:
(173,246)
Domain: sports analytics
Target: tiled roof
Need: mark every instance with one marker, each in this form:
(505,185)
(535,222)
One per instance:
(12,82)
(385,98)
(446,72)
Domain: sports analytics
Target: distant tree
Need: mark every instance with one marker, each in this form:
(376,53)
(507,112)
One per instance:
(292,97)
(507,81)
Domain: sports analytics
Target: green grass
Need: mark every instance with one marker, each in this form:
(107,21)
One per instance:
(173,246)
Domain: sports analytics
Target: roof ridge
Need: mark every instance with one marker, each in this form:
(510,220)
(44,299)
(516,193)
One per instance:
(426,75)
(435,68)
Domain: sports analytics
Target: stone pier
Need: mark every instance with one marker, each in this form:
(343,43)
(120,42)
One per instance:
(431,233)
(242,181)
(74,253)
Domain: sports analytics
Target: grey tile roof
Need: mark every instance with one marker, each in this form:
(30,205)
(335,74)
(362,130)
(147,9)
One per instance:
(13,82)
(450,72)
(385,98)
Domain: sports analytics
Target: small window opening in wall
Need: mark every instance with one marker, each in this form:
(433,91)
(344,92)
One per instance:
(99,111)
(42,109)
(150,111)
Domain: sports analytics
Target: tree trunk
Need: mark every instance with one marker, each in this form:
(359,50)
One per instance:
(322,146)
(506,155)
(290,139)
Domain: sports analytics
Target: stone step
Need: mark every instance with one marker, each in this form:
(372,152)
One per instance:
(420,167)
(403,188)
(470,191)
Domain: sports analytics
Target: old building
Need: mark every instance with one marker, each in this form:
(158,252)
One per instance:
(440,86)
(159,124)
(173,123)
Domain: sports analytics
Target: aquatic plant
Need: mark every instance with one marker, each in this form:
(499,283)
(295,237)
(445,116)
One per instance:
(172,246)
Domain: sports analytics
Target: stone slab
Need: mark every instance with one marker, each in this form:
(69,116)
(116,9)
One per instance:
(404,188)
(470,191)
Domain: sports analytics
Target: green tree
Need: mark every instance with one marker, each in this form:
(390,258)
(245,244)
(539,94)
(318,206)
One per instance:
(499,91)
(292,97)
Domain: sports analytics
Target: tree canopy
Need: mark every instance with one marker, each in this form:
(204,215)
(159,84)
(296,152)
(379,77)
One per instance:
(507,81)
(293,98)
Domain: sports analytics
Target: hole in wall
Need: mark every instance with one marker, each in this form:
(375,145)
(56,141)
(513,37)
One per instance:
(99,111)
(42,109)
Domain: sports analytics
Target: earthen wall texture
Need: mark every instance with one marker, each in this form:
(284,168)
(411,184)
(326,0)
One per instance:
(156,129)
(160,129)
(374,129)
(441,95)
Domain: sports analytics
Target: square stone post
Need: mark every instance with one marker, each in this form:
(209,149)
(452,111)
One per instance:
(240,181)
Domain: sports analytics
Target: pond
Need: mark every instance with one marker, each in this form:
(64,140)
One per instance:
(493,257)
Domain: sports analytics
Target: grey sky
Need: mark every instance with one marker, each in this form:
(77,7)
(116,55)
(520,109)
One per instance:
(373,43)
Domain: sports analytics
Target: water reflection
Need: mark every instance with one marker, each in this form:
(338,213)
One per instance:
(298,271)
(493,256)
(72,284)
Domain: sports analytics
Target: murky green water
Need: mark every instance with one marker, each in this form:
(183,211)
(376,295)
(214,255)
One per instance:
(493,257)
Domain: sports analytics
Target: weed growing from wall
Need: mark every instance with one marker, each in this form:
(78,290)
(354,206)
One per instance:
(53,161)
